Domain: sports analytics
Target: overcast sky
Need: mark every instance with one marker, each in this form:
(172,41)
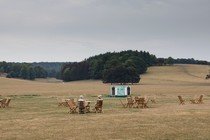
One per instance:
(72,30)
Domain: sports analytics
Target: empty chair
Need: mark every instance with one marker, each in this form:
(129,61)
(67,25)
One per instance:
(123,104)
(136,99)
(146,100)
(87,106)
(194,100)
(153,99)
(7,102)
(139,102)
(181,100)
(143,101)
(197,100)
(130,102)
(72,106)
(3,103)
(200,99)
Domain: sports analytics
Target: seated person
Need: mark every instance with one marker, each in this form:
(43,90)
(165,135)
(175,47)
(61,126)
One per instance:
(99,104)
(81,104)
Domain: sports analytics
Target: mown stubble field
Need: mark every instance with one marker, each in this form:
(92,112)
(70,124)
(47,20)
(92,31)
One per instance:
(34,113)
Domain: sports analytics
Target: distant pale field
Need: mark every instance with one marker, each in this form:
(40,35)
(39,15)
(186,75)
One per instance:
(34,113)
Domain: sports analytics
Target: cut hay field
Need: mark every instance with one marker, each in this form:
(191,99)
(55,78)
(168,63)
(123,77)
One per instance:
(34,114)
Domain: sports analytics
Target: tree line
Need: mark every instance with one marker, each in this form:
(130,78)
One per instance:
(53,68)
(117,67)
(22,70)
(111,67)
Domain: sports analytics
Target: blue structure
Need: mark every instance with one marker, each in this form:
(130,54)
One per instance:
(120,91)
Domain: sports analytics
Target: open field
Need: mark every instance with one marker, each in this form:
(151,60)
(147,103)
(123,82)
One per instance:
(34,114)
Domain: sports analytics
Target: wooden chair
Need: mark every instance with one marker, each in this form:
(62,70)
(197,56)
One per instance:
(194,100)
(72,106)
(153,99)
(99,106)
(7,102)
(181,100)
(146,100)
(136,100)
(3,103)
(123,104)
(140,102)
(130,102)
(81,107)
(87,106)
(200,99)
(197,100)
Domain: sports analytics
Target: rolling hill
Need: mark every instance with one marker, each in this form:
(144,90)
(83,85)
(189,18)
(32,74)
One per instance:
(176,79)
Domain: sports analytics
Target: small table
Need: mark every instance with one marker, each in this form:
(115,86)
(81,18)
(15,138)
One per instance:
(140,101)
(87,106)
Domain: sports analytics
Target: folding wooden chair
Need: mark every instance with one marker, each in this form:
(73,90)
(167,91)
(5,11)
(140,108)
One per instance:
(99,106)
(146,100)
(87,106)
(194,100)
(153,99)
(123,104)
(81,107)
(130,102)
(72,106)
(3,103)
(181,100)
(7,102)
(200,99)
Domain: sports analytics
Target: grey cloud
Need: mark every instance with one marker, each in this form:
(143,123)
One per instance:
(105,25)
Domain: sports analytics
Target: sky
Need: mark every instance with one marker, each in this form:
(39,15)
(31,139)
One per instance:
(72,30)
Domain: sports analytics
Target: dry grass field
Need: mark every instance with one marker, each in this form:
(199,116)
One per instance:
(34,114)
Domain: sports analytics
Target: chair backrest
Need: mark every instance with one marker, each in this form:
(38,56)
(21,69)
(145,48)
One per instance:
(195,97)
(75,101)
(136,99)
(141,100)
(81,104)
(3,102)
(146,99)
(180,98)
(200,99)
(7,101)
(71,104)
(99,103)
(129,100)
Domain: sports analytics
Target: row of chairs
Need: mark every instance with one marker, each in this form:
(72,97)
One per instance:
(195,100)
(5,102)
(138,102)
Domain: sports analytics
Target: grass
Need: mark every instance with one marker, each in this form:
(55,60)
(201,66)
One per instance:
(34,113)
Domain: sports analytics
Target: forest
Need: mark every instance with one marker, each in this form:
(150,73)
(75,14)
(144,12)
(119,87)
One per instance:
(111,67)
(118,67)
(22,70)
